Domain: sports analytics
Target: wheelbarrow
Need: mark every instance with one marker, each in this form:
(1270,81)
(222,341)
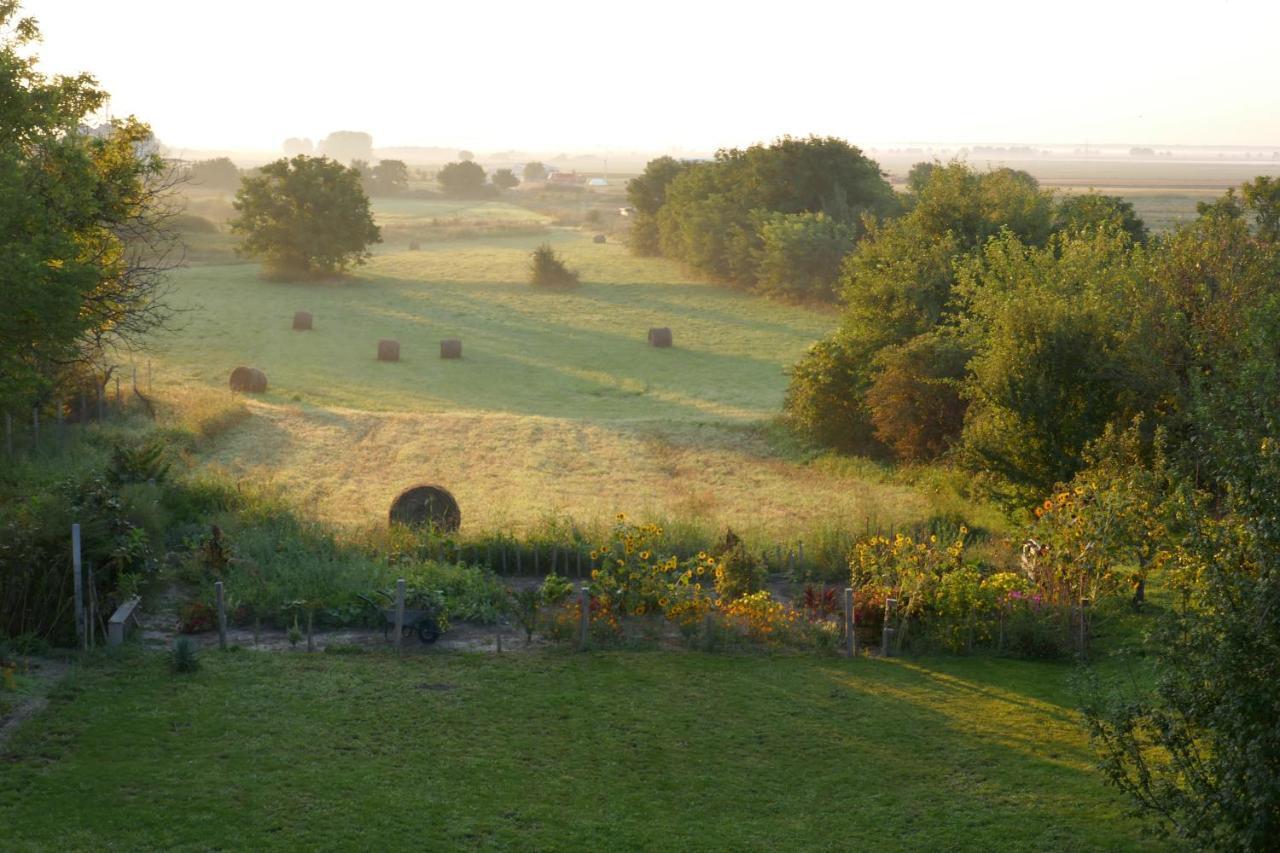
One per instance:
(423,622)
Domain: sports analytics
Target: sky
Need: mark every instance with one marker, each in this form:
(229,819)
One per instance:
(686,76)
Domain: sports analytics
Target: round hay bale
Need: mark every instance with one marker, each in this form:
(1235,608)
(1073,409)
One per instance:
(599,238)
(451,348)
(426,505)
(302,321)
(388,350)
(248,380)
(660,337)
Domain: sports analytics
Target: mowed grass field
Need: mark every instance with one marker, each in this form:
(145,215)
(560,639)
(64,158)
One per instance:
(559,751)
(558,406)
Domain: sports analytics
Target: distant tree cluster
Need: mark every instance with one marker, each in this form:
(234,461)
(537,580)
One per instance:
(346,146)
(387,178)
(754,217)
(216,174)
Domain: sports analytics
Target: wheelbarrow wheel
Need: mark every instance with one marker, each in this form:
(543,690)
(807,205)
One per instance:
(428,631)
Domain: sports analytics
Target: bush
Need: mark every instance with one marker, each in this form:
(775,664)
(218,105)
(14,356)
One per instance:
(824,398)
(915,399)
(184,658)
(549,270)
(800,255)
(737,572)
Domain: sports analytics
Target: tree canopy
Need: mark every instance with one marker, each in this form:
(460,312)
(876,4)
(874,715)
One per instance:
(304,217)
(82,222)
(463,178)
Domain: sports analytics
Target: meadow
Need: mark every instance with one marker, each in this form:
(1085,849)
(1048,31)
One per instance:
(558,751)
(558,405)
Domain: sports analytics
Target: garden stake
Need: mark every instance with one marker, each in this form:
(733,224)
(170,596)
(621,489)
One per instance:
(584,599)
(555,558)
(222,616)
(399,612)
(78,583)
(849,641)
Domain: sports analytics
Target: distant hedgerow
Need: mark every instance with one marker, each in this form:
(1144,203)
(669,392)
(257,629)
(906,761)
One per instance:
(549,270)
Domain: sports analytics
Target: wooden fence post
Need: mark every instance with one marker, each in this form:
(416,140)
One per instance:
(91,622)
(222,615)
(399,612)
(584,600)
(78,584)
(886,636)
(850,643)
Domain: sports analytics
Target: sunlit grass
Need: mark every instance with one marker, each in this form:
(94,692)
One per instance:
(559,751)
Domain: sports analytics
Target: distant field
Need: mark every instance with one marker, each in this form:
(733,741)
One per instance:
(1163,192)
(558,405)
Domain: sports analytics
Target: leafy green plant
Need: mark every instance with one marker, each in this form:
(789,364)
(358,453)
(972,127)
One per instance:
(184,658)
(549,270)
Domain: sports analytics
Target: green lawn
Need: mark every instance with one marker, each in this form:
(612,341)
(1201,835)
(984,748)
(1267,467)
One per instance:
(559,751)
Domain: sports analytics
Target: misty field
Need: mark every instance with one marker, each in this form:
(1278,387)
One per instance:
(558,405)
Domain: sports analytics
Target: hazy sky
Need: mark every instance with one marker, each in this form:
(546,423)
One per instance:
(695,75)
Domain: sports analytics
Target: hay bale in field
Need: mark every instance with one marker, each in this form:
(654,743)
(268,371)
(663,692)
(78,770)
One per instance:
(302,321)
(660,337)
(599,238)
(451,348)
(248,380)
(426,505)
(388,350)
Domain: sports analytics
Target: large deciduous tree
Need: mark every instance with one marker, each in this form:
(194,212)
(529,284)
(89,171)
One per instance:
(305,217)
(464,178)
(83,242)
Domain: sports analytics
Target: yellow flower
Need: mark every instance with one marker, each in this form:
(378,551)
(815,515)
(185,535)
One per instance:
(594,555)
(644,555)
(702,569)
(662,602)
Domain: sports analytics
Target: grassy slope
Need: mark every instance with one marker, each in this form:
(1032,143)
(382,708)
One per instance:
(560,751)
(558,405)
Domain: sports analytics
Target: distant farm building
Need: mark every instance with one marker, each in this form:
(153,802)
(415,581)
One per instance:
(564,178)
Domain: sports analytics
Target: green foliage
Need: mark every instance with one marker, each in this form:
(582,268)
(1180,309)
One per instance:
(647,193)
(555,589)
(825,396)
(738,573)
(347,146)
(505,179)
(916,397)
(526,606)
(463,179)
(1062,347)
(534,171)
(388,178)
(83,227)
(1091,211)
(144,462)
(216,174)
(305,217)
(548,270)
(709,214)
(184,659)
(800,255)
